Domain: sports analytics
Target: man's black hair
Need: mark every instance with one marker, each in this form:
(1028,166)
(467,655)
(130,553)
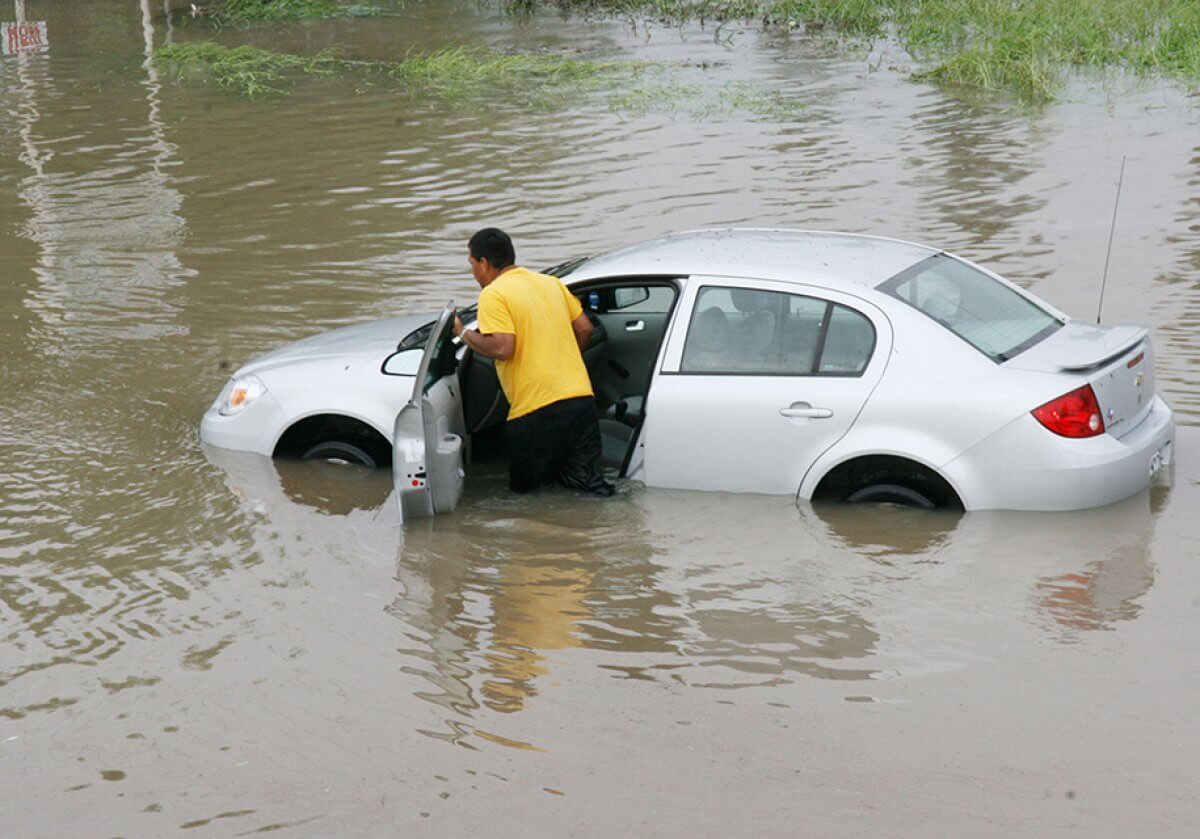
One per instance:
(493,244)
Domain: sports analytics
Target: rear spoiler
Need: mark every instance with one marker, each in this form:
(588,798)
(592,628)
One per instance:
(1116,342)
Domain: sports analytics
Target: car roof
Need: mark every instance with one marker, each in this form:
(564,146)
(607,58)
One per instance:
(834,259)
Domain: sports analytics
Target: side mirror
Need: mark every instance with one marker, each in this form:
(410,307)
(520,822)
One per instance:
(403,362)
(625,297)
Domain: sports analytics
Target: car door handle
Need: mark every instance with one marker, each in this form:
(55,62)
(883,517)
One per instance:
(635,325)
(803,410)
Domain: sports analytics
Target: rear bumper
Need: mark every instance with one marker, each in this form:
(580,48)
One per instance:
(1026,467)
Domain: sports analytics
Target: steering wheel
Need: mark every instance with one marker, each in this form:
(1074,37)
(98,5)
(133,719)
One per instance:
(599,333)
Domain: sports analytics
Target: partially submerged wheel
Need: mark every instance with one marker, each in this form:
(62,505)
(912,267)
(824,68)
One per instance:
(887,479)
(340,451)
(890,494)
(335,439)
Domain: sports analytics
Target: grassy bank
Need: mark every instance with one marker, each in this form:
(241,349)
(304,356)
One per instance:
(279,11)
(1027,47)
(856,17)
(248,70)
(457,74)
(1024,47)
(451,73)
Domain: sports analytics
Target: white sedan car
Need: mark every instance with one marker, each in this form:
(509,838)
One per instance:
(821,365)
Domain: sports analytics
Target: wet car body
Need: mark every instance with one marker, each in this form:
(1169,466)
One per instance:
(330,383)
(824,365)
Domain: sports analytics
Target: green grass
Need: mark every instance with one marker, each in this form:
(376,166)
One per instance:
(457,74)
(1027,46)
(248,70)
(673,10)
(279,11)
(702,101)
(451,73)
(859,18)
(1021,47)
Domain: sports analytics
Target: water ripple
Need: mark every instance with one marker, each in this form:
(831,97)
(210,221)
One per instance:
(154,238)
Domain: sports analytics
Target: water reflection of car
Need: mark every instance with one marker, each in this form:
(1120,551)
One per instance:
(1083,571)
(822,365)
(335,513)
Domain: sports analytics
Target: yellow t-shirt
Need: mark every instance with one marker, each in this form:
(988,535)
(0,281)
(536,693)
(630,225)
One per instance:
(546,365)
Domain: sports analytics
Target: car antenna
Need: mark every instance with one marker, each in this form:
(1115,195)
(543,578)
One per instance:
(1111,230)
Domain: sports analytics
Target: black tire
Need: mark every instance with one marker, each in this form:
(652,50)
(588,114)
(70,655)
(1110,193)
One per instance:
(890,494)
(341,451)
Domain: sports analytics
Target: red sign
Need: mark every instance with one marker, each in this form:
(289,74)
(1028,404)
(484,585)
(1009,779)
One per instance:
(24,37)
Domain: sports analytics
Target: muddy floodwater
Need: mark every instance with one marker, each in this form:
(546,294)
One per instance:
(213,641)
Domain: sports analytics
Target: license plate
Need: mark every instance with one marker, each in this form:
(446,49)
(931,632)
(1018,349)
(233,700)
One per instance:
(1159,459)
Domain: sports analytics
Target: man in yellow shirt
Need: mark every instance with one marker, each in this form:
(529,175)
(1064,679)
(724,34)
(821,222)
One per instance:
(535,329)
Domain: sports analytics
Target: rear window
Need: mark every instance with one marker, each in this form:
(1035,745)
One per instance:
(985,313)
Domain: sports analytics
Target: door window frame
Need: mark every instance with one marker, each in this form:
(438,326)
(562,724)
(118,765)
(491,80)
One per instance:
(672,355)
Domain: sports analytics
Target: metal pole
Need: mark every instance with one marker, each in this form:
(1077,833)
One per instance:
(20,10)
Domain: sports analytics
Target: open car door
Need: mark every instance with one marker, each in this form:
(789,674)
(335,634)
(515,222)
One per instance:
(427,443)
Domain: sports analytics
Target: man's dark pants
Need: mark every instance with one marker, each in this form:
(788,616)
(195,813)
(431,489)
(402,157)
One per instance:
(559,442)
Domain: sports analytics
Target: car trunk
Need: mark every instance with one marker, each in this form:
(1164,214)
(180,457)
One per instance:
(1117,361)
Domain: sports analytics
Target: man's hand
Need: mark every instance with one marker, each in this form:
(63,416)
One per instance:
(497,345)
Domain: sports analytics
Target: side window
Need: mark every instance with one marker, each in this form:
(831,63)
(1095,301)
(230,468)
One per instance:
(848,344)
(739,330)
(768,333)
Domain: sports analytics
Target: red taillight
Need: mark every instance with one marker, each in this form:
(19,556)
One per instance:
(1074,414)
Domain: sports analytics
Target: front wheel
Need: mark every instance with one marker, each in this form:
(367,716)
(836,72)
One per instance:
(340,451)
(890,494)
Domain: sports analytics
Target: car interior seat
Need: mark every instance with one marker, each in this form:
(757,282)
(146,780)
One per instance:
(756,331)
(708,342)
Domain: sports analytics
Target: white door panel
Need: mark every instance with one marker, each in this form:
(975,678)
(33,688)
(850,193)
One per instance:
(740,432)
(734,434)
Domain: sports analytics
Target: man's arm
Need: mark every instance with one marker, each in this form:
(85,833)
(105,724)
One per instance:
(582,327)
(497,345)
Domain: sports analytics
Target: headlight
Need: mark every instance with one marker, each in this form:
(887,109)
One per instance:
(240,393)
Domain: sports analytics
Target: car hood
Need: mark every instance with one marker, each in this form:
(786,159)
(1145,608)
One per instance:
(378,337)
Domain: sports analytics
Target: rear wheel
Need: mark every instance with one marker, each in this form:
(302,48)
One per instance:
(887,479)
(341,451)
(890,494)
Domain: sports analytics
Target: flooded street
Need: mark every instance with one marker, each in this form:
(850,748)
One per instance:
(209,640)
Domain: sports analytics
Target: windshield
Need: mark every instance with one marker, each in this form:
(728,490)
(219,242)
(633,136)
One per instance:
(419,337)
(562,269)
(987,314)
